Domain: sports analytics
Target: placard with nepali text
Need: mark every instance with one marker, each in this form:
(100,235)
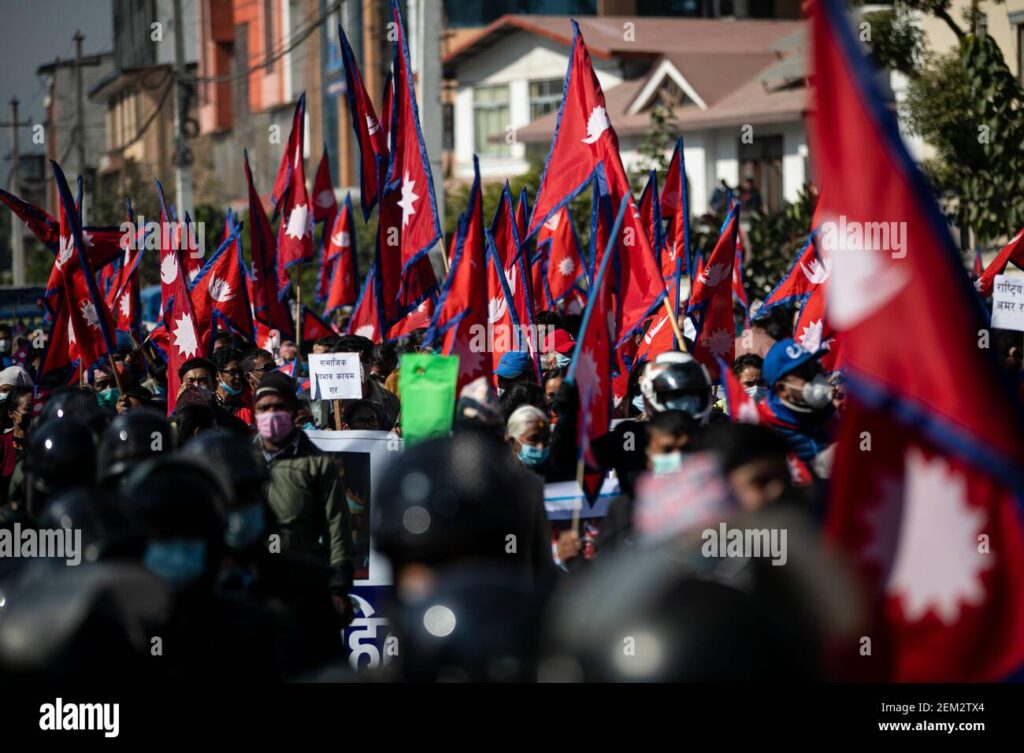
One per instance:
(335,376)
(1008,303)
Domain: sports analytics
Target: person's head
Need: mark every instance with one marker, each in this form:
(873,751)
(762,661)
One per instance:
(256,364)
(5,339)
(325,345)
(16,410)
(669,434)
(193,419)
(199,373)
(478,408)
(361,345)
(514,367)
(747,369)
(224,340)
(361,415)
(12,377)
(528,431)
(553,380)
(287,351)
(522,393)
(796,378)
(754,459)
(304,416)
(230,382)
(275,406)
(776,322)
(676,381)
(383,361)
(137,396)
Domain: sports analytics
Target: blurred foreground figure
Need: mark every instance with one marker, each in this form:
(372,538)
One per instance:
(464,527)
(669,612)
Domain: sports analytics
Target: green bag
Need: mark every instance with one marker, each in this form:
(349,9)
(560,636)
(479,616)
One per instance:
(426,384)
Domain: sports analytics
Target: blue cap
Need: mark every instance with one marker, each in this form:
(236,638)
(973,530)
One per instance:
(514,363)
(784,357)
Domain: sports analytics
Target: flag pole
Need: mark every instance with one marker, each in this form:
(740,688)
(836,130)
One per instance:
(675,324)
(298,315)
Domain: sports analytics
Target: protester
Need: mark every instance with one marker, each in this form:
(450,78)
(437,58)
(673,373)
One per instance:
(798,404)
(514,367)
(12,377)
(231,393)
(15,416)
(373,390)
(361,415)
(529,433)
(304,492)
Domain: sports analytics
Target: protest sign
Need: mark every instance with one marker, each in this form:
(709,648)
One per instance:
(335,376)
(427,382)
(1008,303)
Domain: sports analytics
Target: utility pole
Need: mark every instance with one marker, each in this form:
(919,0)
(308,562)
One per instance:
(182,154)
(14,186)
(80,106)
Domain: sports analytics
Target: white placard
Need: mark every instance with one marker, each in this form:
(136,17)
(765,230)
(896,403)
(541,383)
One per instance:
(1008,303)
(335,376)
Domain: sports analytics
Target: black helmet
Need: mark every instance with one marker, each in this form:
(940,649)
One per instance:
(107,533)
(672,613)
(677,381)
(61,454)
(79,403)
(449,498)
(173,496)
(478,624)
(235,462)
(131,438)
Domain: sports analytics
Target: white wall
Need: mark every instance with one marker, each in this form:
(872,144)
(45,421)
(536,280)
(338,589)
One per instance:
(518,59)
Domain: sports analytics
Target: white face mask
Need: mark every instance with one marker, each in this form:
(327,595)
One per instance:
(817,394)
(666,462)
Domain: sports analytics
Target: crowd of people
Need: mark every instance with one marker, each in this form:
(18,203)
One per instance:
(218,539)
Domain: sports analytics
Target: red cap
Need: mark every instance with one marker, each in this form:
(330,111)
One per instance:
(562,342)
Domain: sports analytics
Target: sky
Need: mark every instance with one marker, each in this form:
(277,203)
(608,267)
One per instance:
(36,32)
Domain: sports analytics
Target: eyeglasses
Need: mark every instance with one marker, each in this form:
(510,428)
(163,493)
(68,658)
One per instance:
(266,367)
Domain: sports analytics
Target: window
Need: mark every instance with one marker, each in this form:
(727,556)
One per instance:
(490,119)
(545,96)
(761,162)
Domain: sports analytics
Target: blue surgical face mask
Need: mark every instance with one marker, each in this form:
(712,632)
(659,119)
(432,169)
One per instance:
(756,391)
(561,361)
(245,526)
(230,390)
(533,457)
(108,398)
(666,462)
(309,426)
(638,403)
(3,396)
(178,561)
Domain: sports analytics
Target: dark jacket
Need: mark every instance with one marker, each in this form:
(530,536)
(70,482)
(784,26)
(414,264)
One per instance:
(307,498)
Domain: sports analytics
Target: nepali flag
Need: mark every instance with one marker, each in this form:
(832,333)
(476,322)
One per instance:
(313,327)
(650,212)
(419,318)
(932,514)
(504,237)
(410,223)
(813,330)
(91,325)
(325,205)
(386,107)
(522,214)
(41,223)
(979,265)
(220,288)
(124,298)
(267,304)
(675,205)
(296,143)
(559,259)
(461,317)
(586,146)
(591,366)
(739,293)
(341,262)
(740,407)
(295,233)
(188,336)
(1012,252)
(711,300)
(660,337)
(808,271)
(364,321)
(372,139)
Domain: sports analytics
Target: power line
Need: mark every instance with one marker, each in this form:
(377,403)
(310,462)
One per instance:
(296,40)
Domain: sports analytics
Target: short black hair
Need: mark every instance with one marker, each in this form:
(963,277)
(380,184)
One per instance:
(356,344)
(523,393)
(349,410)
(249,362)
(747,361)
(739,444)
(777,322)
(198,362)
(192,418)
(548,318)
(221,358)
(329,341)
(675,423)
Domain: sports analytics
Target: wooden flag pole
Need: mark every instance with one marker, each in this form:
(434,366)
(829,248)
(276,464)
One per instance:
(337,414)
(675,324)
(298,316)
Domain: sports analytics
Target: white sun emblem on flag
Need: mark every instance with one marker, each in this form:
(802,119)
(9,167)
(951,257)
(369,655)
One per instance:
(409,197)
(718,342)
(220,290)
(341,239)
(67,247)
(496,308)
(552,223)
(185,336)
(367,331)
(325,198)
(937,566)
(126,305)
(90,315)
(193,273)
(297,225)
(168,269)
(817,272)
(567,266)
(371,125)
(714,274)
(71,332)
(810,338)
(597,124)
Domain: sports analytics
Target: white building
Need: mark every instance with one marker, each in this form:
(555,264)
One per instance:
(738,89)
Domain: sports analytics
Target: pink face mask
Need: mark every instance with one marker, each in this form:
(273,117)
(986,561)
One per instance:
(274,425)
